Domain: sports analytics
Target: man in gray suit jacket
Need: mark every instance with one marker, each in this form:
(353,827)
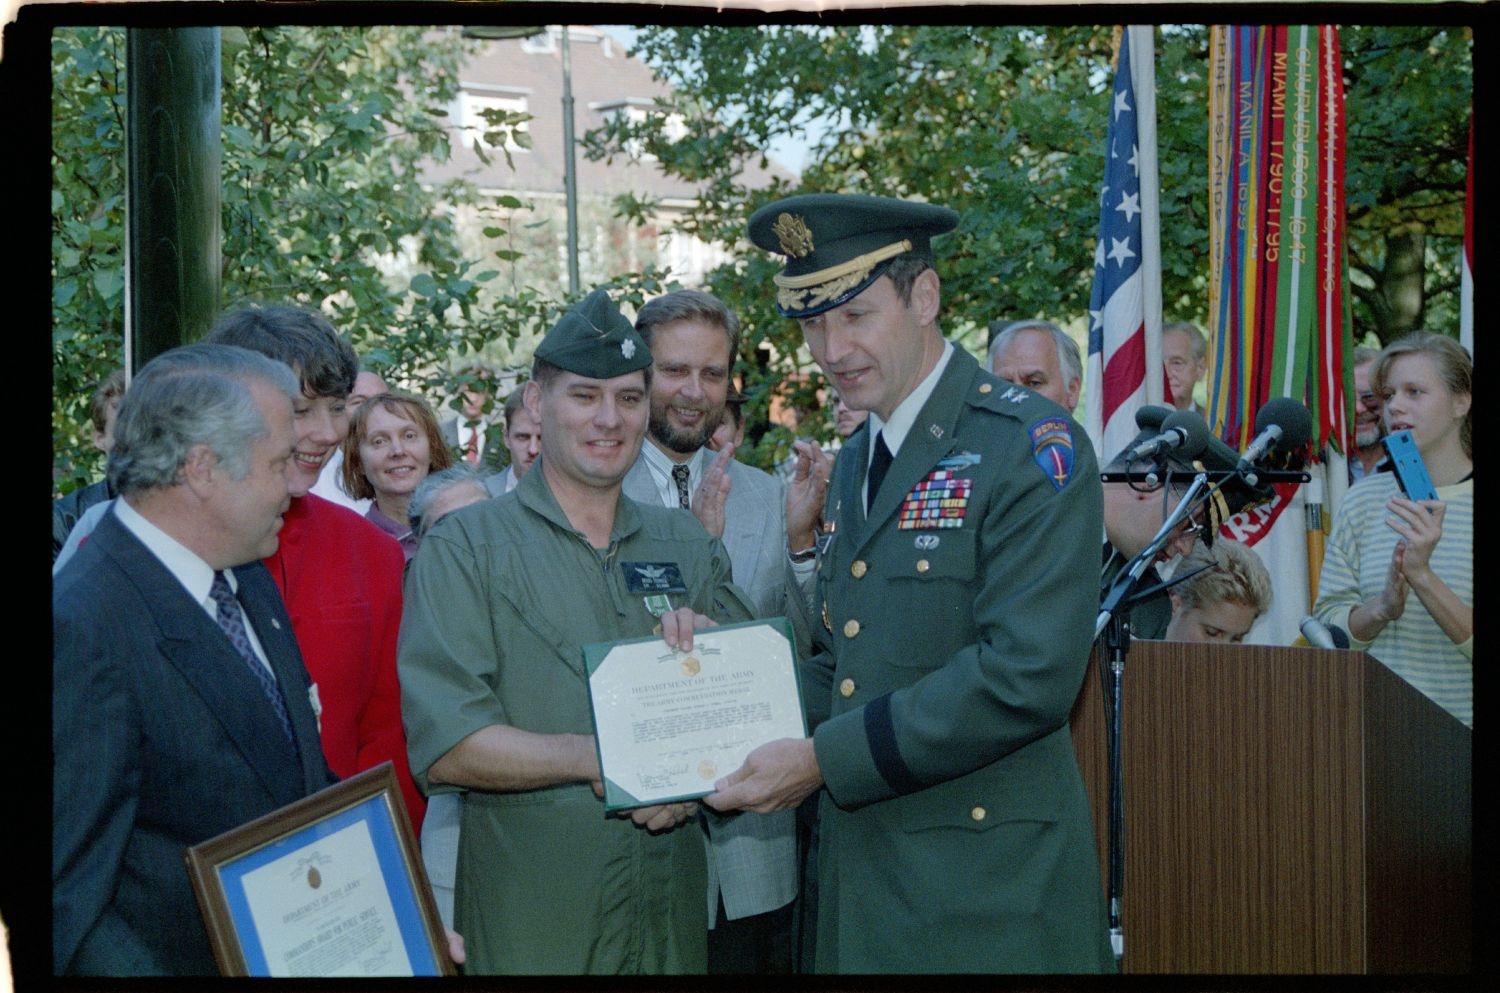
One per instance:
(752,860)
(180,705)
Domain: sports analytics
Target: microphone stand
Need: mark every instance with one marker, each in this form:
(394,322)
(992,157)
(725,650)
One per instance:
(1114,625)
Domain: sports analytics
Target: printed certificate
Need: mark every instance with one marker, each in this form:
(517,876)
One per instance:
(331,885)
(669,723)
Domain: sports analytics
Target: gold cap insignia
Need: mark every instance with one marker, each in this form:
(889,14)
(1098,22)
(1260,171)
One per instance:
(791,230)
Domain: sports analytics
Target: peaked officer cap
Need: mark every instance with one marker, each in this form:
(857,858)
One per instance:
(837,244)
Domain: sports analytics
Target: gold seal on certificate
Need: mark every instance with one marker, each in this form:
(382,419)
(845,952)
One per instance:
(667,723)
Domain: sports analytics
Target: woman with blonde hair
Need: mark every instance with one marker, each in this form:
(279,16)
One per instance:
(1227,589)
(1398,575)
(392,445)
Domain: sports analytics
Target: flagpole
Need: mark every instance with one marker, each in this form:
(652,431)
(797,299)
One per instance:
(1142,39)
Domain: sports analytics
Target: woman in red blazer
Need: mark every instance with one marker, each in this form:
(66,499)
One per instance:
(339,574)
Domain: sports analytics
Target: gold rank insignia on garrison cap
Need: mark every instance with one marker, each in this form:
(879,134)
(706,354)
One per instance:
(837,244)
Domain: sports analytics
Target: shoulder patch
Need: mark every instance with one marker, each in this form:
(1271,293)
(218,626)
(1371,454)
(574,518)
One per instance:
(1052,449)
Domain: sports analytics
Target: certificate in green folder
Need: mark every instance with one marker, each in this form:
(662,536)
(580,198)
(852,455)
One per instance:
(669,723)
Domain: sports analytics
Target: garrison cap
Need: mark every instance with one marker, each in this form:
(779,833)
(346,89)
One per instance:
(837,244)
(1235,494)
(594,339)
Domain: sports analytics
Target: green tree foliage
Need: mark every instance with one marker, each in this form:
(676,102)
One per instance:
(1007,125)
(326,131)
(1408,93)
(88,207)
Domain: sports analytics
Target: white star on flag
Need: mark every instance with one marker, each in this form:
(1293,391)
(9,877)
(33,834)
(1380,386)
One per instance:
(1118,347)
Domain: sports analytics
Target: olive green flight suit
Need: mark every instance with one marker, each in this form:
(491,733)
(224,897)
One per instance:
(500,599)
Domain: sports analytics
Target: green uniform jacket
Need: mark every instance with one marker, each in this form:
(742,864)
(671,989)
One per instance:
(500,599)
(955,832)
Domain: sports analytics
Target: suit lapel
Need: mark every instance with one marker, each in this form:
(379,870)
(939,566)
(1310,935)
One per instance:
(930,438)
(264,609)
(639,485)
(746,516)
(193,644)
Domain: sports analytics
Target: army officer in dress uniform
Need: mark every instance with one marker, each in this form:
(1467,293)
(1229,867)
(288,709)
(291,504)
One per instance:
(958,586)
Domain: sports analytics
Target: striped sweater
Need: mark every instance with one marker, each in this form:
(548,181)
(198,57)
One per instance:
(1355,564)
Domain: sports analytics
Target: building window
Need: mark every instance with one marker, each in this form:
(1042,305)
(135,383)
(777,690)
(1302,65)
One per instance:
(475,99)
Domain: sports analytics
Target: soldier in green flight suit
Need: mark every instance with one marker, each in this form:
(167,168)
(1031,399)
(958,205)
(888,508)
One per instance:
(958,579)
(499,602)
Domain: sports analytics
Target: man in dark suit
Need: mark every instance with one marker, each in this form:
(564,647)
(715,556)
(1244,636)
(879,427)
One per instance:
(470,434)
(180,705)
(957,582)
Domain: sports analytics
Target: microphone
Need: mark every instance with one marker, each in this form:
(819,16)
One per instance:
(1151,416)
(1321,635)
(1182,431)
(1283,424)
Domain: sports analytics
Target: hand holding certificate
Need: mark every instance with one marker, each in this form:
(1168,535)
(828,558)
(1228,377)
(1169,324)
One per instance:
(669,723)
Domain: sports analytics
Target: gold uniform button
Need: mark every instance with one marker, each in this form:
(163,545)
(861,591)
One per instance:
(985,387)
(859,568)
(923,565)
(851,629)
(846,688)
(978,813)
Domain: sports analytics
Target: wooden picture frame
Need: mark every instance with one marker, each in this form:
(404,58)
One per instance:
(332,885)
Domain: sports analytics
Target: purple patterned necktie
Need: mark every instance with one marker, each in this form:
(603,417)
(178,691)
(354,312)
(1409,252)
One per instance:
(233,623)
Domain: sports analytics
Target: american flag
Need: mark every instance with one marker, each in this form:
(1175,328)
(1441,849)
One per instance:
(1125,309)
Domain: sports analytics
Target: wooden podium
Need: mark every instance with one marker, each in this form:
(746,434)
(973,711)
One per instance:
(1287,810)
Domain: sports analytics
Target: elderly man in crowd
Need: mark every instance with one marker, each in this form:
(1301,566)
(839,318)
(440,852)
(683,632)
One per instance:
(1040,356)
(180,705)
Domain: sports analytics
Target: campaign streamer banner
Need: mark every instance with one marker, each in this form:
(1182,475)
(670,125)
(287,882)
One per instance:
(1279,297)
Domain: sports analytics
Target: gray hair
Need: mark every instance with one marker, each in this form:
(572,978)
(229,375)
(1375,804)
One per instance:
(194,395)
(459,474)
(1068,358)
(1195,336)
(688,305)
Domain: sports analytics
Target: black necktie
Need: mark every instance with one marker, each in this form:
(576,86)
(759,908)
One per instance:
(878,465)
(680,477)
(233,623)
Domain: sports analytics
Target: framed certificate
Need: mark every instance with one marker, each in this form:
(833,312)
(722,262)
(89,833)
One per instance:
(331,885)
(669,723)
